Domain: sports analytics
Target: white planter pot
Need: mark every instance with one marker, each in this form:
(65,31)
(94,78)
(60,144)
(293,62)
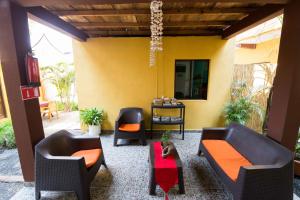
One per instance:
(94,130)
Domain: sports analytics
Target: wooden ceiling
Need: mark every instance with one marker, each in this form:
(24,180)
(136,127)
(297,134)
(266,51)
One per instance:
(124,18)
(189,18)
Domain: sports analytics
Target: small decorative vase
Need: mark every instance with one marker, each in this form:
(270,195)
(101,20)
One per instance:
(94,130)
(169,149)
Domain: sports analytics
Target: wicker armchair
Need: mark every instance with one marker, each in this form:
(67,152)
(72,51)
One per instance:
(130,116)
(57,170)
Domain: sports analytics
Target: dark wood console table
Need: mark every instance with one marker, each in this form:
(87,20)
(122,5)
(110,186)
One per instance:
(180,106)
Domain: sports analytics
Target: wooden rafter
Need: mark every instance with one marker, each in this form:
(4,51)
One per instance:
(147,24)
(263,14)
(44,16)
(105,33)
(30,3)
(185,11)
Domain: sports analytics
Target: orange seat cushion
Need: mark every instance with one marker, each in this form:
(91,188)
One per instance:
(130,127)
(90,156)
(229,159)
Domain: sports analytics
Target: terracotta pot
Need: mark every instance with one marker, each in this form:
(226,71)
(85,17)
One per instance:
(297,167)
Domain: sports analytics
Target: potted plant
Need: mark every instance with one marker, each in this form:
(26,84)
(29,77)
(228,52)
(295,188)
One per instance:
(92,117)
(164,141)
(168,147)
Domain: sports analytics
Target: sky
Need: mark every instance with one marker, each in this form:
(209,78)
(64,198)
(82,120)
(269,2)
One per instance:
(53,48)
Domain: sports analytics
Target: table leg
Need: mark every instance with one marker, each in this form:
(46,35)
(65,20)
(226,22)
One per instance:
(183,132)
(181,181)
(152,184)
(180,129)
(151,129)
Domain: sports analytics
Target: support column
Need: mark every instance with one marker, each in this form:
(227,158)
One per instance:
(284,118)
(26,117)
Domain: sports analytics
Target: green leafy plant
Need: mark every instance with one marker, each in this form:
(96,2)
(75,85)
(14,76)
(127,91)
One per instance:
(241,107)
(73,106)
(165,137)
(240,110)
(7,137)
(62,76)
(92,116)
(297,148)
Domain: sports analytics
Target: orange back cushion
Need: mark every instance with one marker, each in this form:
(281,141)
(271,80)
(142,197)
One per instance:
(228,159)
(130,127)
(90,156)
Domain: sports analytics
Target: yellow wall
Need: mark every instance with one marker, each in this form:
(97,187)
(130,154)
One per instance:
(112,73)
(264,52)
(4,95)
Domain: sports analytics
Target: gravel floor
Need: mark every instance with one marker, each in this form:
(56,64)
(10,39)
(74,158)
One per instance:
(127,176)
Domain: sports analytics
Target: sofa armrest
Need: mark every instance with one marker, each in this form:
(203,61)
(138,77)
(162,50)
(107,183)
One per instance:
(266,182)
(57,168)
(214,133)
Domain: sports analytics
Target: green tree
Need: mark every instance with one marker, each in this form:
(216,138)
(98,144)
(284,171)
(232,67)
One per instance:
(62,76)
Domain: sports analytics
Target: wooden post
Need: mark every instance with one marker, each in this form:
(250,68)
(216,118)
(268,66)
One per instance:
(284,118)
(26,117)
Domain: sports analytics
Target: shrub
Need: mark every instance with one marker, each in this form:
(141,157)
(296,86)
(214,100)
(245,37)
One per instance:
(74,106)
(297,148)
(240,110)
(62,107)
(7,136)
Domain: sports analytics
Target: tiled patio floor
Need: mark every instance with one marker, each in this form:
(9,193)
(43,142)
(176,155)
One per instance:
(65,120)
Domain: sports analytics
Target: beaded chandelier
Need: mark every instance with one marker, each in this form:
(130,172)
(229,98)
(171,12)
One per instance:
(156,28)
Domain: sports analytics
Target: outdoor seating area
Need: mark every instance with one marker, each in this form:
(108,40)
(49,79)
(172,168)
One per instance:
(149,99)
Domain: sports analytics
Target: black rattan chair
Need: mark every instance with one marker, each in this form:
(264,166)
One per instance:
(130,116)
(56,170)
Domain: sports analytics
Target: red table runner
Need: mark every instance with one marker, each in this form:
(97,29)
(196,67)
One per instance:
(166,173)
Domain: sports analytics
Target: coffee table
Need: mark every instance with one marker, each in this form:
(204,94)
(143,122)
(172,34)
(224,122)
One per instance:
(152,182)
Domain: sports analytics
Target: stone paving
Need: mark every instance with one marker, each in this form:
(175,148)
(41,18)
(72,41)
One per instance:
(9,167)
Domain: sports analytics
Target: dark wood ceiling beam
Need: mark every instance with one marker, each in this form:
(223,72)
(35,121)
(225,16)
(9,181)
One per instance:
(31,3)
(262,15)
(44,16)
(147,24)
(188,11)
(200,30)
(147,33)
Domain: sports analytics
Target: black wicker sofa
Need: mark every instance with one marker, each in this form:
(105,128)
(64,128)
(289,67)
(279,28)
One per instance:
(251,165)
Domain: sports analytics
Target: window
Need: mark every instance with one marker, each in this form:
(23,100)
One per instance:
(191,79)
